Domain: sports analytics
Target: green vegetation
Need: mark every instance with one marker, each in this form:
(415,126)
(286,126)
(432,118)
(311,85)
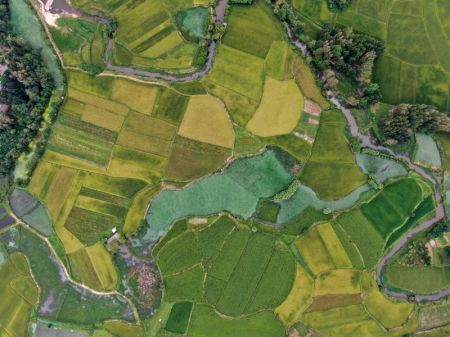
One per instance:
(237,204)
(26,83)
(193,21)
(81,42)
(25,23)
(241,268)
(20,295)
(179,317)
(31,211)
(163,35)
(414,67)
(206,323)
(371,224)
(60,299)
(240,186)
(420,280)
(331,171)
(405,119)
(427,151)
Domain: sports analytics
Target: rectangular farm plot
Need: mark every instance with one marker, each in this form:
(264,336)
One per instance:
(278,61)
(95,85)
(368,240)
(145,143)
(270,292)
(332,318)
(246,275)
(206,120)
(238,71)
(230,254)
(90,227)
(102,118)
(80,145)
(334,246)
(164,45)
(314,251)
(115,190)
(190,159)
(147,134)
(137,96)
(83,268)
(42,178)
(137,20)
(170,105)
(58,190)
(73,107)
(384,211)
(99,102)
(338,282)
(154,127)
(137,164)
(243,34)
(148,38)
(103,265)
(19,296)
(100,206)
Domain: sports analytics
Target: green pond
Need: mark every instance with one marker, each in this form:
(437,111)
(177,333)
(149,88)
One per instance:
(237,191)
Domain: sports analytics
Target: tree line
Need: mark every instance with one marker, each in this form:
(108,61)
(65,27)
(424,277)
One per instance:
(26,87)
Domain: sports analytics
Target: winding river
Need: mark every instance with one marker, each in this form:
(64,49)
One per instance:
(62,6)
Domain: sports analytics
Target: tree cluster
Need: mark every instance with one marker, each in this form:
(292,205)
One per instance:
(26,87)
(415,254)
(338,5)
(285,13)
(404,120)
(439,229)
(352,55)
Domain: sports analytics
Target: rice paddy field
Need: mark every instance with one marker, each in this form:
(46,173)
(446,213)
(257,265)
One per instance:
(228,206)
(427,151)
(415,65)
(332,160)
(153,35)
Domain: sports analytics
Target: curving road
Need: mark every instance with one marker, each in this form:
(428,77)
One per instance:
(62,6)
